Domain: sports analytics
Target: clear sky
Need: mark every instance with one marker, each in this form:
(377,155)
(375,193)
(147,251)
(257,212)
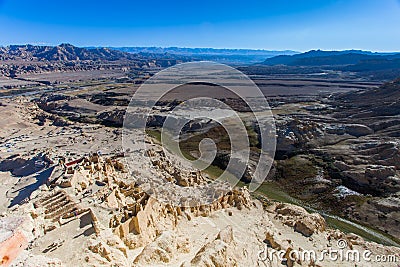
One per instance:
(277,25)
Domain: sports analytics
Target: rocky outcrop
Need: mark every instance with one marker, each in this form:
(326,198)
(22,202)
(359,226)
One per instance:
(293,135)
(108,251)
(376,180)
(172,173)
(358,130)
(113,118)
(297,217)
(218,253)
(163,249)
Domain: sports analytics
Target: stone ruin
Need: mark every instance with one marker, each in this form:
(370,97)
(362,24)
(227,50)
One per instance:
(141,217)
(134,217)
(82,173)
(57,208)
(137,217)
(171,173)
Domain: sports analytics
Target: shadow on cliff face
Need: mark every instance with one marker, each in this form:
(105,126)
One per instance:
(25,192)
(21,167)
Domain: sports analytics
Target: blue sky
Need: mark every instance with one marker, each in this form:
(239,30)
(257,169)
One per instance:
(276,25)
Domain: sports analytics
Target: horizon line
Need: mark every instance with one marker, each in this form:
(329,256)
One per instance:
(198,47)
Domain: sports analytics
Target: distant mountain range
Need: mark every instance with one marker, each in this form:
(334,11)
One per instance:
(331,58)
(232,56)
(23,59)
(63,52)
(68,52)
(204,51)
(370,65)
(348,60)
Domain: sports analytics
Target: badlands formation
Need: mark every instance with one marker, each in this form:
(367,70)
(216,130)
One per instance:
(68,199)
